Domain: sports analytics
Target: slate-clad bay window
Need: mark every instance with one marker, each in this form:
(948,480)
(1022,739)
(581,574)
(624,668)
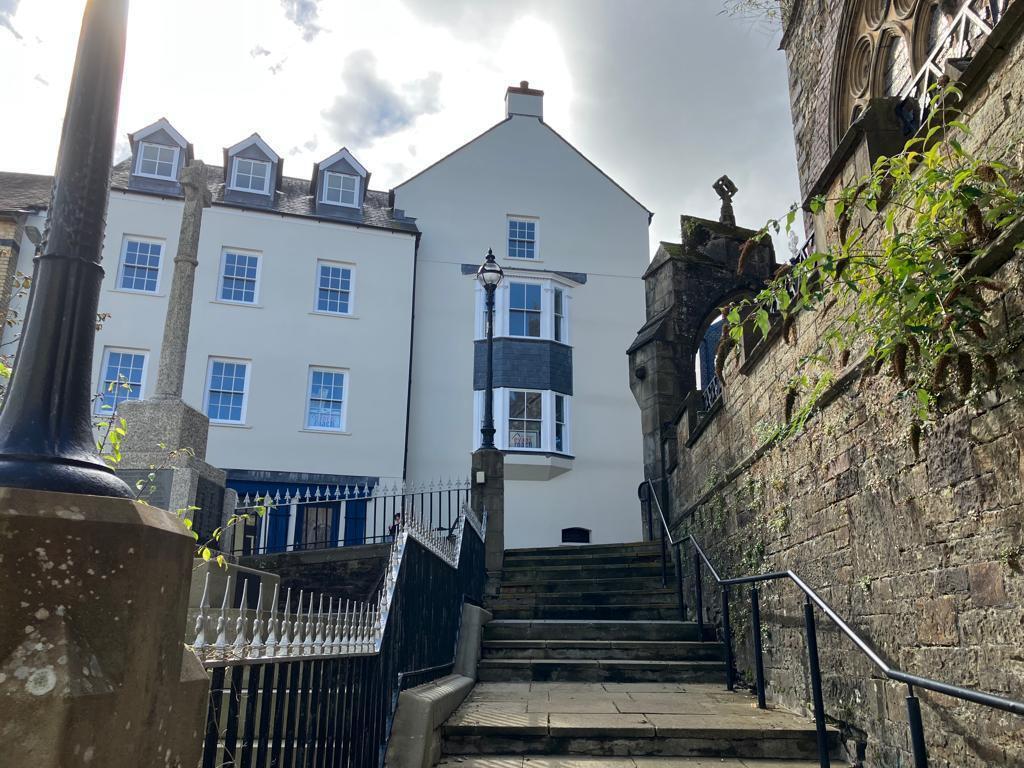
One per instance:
(524,310)
(121,378)
(251,175)
(140,265)
(326,402)
(525,419)
(239,279)
(341,189)
(227,390)
(522,238)
(157,161)
(528,307)
(334,288)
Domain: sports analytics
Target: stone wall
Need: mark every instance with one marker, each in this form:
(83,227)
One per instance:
(11,229)
(348,573)
(924,554)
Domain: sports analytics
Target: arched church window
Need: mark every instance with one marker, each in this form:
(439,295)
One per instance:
(899,48)
(895,64)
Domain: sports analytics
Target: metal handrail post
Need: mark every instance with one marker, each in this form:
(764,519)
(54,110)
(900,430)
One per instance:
(730,667)
(679,581)
(916,729)
(698,597)
(755,624)
(816,695)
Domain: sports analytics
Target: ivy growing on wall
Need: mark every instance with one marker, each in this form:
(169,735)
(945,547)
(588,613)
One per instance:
(903,276)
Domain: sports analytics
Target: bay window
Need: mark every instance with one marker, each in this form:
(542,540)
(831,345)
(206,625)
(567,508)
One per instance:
(527,420)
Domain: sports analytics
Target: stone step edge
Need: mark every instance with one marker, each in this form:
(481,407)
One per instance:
(704,664)
(560,759)
(593,644)
(584,548)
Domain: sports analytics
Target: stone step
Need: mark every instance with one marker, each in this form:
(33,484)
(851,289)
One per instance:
(638,650)
(611,597)
(593,549)
(550,733)
(610,558)
(518,575)
(583,761)
(518,629)
(638,583)
(599,671)
(654,611)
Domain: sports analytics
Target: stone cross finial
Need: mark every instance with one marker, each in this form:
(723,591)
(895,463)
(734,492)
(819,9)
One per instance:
(171,374)
(726,190)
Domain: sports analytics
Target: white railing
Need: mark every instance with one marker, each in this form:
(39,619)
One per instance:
(435,504)
(969,28)
(229,636)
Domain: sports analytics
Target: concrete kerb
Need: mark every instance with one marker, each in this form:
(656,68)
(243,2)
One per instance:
(416,732)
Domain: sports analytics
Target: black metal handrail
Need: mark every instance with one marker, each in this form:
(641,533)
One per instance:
(811,600)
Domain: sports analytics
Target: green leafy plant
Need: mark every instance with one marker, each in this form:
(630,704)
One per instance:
(900,278)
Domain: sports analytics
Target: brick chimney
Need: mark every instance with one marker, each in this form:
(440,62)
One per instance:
(524,100)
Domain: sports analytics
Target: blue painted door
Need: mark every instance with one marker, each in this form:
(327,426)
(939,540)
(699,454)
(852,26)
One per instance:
(355,522)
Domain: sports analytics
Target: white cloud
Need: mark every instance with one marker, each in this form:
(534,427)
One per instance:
(371,107)
(305,15)
(259,50)
(7,10)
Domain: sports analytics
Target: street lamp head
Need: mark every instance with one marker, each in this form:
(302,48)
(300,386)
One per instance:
(490,273)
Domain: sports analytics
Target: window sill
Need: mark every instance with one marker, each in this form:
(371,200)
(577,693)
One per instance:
(129,291)
(236,303)
(522,260)
(325,431)
(340,315)
(536,465)
(229,424)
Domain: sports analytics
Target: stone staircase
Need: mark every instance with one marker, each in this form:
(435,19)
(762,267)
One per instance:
(587,658)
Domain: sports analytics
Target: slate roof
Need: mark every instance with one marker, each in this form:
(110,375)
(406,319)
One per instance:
(26,191)
(293,199)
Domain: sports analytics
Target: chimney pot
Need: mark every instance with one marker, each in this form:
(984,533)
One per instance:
(524,83)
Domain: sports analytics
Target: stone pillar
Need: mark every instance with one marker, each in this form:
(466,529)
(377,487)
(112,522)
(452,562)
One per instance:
(167,438)
(93,670)
(489,494)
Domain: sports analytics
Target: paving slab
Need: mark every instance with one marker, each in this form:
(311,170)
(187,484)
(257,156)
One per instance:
(556,761)
(584,724)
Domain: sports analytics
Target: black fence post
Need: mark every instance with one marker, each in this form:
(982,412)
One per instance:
(755,623)
(815,669)
(730,667)
(698,596)
(679,581)
(916,729)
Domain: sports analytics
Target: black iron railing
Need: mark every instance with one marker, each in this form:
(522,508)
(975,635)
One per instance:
(323,517)
(812,601)
(312,689)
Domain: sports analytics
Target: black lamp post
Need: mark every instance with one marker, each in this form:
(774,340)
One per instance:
(489,275)
(46,439)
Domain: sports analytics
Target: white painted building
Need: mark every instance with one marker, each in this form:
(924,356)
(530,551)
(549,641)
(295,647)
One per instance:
(304,350)
(573,245)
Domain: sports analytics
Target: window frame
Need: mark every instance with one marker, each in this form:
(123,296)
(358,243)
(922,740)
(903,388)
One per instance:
(245,392)
(355,194)
(175,150)
(517,218)
(509,309)
(502,304)
(345,384)
(234,175)
(125,239)
(224,251)
(501,420)
(351,289)
(98,406)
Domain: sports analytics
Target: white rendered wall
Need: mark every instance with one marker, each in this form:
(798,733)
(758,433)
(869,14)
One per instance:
(586,224)
(281,336)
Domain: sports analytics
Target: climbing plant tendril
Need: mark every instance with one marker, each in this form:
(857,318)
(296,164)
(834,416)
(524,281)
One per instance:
(902,278)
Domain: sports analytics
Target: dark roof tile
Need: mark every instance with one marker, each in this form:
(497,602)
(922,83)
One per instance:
(24,191)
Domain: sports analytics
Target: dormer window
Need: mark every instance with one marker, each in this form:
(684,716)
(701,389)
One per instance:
(251,175)
(157,161)
(341,189)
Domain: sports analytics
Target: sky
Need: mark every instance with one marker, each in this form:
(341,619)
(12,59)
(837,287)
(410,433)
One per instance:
(663,95)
